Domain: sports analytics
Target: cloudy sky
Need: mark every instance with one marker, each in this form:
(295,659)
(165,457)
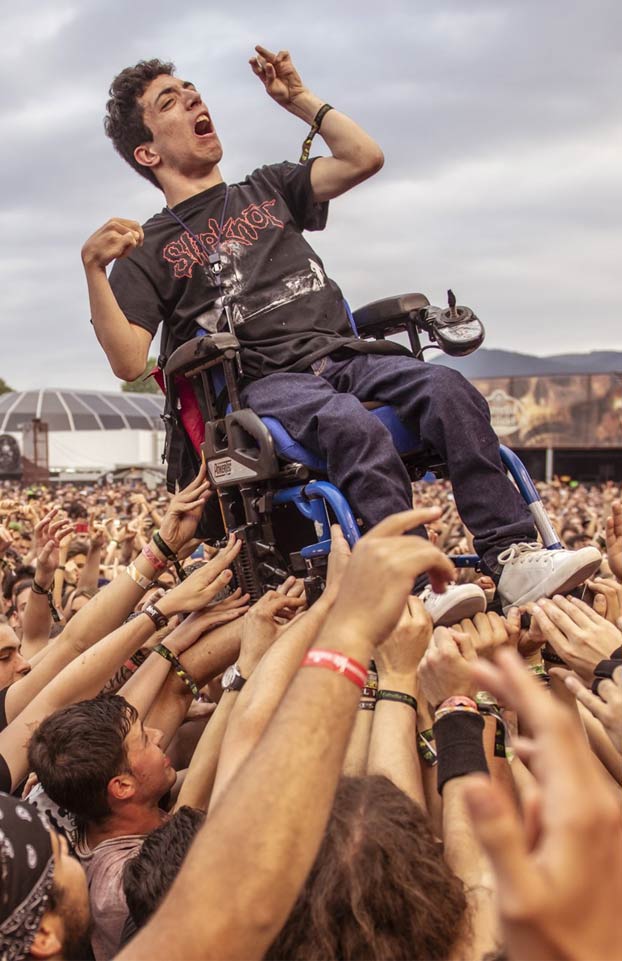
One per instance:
(499,120)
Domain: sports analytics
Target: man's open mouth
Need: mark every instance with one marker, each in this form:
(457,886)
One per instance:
(203,125)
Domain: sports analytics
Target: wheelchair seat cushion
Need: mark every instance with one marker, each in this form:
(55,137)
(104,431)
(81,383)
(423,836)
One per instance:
(406,440)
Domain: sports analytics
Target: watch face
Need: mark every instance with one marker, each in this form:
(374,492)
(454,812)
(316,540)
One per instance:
(229,676)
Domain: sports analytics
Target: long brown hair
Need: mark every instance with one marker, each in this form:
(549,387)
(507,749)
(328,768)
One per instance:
(380,887)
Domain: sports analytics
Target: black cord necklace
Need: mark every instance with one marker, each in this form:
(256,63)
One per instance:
(213,257)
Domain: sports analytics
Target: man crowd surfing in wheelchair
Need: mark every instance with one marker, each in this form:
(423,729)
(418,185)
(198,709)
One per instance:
(233,256)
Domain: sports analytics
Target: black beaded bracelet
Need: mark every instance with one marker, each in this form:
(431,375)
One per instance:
(551,657)
(398,696)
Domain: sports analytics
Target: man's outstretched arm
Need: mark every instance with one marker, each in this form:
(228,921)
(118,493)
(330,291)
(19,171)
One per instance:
(355,155)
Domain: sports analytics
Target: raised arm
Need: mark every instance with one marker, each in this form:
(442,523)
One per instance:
(393,746)
(110,606)
(355,155)
(126,345)
(85,676)
(268,826)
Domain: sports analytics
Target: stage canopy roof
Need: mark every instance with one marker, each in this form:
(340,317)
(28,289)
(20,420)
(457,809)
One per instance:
(80,410)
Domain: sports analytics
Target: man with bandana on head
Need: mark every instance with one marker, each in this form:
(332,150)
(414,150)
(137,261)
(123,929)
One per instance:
(44,902)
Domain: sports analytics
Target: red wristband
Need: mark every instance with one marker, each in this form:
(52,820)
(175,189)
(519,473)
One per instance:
(157,563)
(353,670)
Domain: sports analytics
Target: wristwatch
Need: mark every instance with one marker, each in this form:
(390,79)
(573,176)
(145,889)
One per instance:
(232,680)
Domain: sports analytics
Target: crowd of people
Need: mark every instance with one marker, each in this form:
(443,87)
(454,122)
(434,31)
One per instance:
(183,779)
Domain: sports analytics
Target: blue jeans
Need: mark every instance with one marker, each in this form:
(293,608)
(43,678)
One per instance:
(323,410)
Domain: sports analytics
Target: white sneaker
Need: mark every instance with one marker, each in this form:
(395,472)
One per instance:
(530,572)
(458,601)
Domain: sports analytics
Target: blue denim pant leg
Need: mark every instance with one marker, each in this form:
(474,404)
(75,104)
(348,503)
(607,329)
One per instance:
(453,419)
(361,458)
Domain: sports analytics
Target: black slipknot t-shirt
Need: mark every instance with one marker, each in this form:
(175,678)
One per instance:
(286,311)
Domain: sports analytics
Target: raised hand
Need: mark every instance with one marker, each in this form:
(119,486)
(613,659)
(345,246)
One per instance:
(606,706)
(48,558)
(445,670)
(117,238)
(278,75)
(200,622)
(607,597)
(613,534)
(338,560)
(580,636)
(260,627)
(398,657)
(184,512)
(381,573)
(204,584)
(41,529)
(568,866)
(490,631)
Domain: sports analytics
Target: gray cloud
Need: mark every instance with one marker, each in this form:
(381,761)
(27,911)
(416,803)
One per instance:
(499,122)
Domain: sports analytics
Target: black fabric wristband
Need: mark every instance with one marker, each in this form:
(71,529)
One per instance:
(163,546)
(159,619)
(37,589)
(604,669)
(459,739)
(617,654)
(399,696)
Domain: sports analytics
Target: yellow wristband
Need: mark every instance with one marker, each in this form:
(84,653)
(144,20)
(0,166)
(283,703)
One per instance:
(132,571)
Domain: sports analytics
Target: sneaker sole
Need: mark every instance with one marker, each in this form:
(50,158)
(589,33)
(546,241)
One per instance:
(543,590)
(463,609)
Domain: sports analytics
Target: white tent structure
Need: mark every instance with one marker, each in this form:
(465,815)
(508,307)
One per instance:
(89,430)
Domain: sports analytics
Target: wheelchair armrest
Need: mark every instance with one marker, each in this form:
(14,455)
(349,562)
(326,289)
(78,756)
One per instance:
(201,352)
(388,316)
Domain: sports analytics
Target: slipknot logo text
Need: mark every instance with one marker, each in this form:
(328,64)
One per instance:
(185,252)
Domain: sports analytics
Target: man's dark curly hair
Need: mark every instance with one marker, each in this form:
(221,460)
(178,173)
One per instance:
(124,122)
(78,749)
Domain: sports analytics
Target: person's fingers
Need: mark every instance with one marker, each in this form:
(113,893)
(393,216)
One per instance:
(513,623)
(465,644)
(564,615)
(286,585)
(264,53)
(549,630)
(44,556)
(446,640)
(397,524)
(607,690)
(531,806)
(591,701)
(524,748)
(466,626)
(506,677)
(584,614)
(500,833)
(600,604)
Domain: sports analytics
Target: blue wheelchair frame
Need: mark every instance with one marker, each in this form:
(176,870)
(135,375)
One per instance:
(256,459)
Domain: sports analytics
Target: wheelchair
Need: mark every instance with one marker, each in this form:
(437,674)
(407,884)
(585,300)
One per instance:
(273,493)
